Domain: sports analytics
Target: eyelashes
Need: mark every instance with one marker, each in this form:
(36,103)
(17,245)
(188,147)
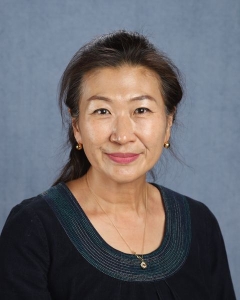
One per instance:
(138,111)
(101,111)
(142,110)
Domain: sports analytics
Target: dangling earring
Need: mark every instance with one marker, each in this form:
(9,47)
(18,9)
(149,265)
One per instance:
(166,145)
(79,146)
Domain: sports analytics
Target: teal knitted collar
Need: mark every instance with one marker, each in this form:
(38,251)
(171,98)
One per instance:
(165,261)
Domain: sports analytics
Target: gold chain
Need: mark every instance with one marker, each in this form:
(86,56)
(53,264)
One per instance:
(140,257)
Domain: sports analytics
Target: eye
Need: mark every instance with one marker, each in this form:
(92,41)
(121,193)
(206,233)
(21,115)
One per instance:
(141,110)
(101,111)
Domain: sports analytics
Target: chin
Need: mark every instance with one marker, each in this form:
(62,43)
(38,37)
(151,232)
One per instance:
(125,177)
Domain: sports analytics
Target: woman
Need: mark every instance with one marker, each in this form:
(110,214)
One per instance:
(102,231)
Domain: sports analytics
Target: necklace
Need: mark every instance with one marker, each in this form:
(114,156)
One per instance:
(140,257)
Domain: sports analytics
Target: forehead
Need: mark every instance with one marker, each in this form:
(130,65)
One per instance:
(124,78)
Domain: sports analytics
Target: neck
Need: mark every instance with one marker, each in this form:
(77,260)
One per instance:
(120,197)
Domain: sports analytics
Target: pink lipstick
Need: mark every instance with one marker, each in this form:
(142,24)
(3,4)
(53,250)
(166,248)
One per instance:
(123,158)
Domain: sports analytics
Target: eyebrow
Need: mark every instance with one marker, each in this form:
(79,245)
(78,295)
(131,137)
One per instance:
(143,97)
(137,98)
(96,97)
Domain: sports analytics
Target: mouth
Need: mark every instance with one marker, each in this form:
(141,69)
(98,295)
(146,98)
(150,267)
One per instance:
(123,158)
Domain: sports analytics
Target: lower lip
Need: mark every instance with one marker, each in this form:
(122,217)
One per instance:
(123,160)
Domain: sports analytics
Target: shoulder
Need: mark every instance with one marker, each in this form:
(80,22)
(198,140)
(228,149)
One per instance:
(26,248)
(201,216)
(24,213)
(30,232)
(203,225)
(27,211)
(32,216)
(194,205)
(24,231)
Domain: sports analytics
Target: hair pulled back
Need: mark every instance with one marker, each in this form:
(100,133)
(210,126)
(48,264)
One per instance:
(112,50)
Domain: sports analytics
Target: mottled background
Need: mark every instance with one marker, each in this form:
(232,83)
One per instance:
(38,38)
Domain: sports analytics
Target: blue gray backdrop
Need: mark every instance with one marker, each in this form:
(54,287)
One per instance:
(38,38)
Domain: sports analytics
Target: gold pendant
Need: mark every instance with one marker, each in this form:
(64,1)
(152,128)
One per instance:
(143,265)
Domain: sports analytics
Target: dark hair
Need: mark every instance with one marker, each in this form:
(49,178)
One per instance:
(112,50)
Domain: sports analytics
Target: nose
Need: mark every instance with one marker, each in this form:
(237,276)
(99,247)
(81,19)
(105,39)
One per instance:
(123,130)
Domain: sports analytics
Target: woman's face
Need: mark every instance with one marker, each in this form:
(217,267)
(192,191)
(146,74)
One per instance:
(122,122)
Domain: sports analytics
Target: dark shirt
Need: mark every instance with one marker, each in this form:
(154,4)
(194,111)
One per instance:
(50,250)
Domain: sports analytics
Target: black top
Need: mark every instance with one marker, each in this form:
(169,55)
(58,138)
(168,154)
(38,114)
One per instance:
(50,250)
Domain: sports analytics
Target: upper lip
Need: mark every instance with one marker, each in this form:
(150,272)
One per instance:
(120,154)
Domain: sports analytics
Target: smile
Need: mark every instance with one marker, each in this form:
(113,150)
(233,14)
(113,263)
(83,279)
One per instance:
(123,158)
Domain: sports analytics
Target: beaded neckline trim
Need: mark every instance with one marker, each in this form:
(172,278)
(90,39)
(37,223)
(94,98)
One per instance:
(162,263)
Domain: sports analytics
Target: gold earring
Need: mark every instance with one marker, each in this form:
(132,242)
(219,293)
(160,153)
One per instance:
(166,145)
(79,146)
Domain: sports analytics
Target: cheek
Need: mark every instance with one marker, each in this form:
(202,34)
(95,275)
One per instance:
(94,133)
(153,132)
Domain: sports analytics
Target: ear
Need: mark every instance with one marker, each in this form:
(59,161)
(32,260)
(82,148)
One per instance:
(168,127)
(76,130)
